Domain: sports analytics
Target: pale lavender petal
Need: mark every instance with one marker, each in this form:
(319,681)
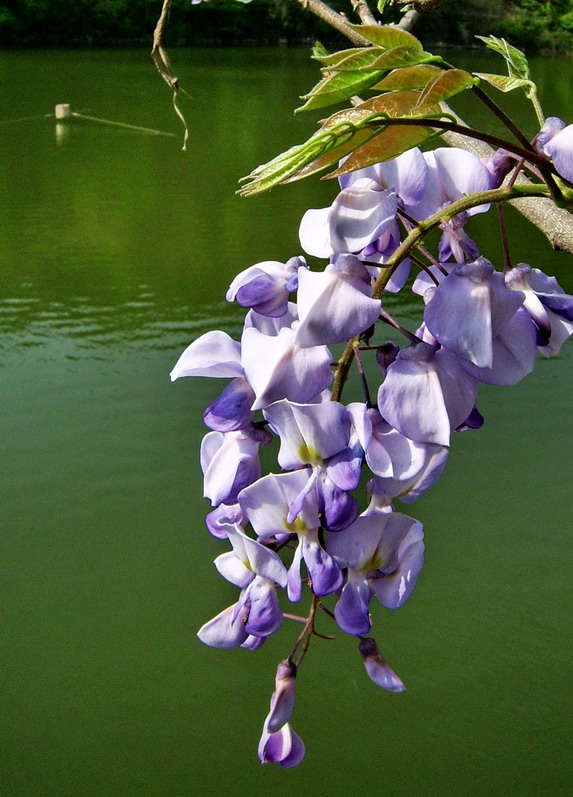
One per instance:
(560,150)
(294,582)
(223,631)
(344,468)
(377,667)
(356,545)
(223,516)
(514,350)
(407,174)
(309,433)
(253,642)
(426,394)
(359,215)
(336,304)
(550,128)
(234,570)
(213,354)
(392,589)
(229,461)
(314,233)
(276,368)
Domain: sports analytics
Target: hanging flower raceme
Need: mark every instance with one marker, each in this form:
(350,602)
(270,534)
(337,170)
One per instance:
(479,326)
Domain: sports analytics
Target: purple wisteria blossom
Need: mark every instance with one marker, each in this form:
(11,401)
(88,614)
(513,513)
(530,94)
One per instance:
(555,139)
(317,437)
(256,570)
(266,286)
(427,394)
(384,553)
(336,304)
(550,308)
(268,505)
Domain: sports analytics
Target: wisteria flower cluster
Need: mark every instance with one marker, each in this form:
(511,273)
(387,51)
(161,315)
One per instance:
(324,529)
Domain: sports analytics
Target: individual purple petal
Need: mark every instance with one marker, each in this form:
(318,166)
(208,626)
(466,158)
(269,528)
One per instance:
(426,394)
(220,518)
(253,642)
(294,581)
(229,461)
(360,214)
(514,350)
(339,508)
(277,368)
(234,570)
(231,410)
(336,304)
(264,613)
(344,469)
(324,573)
(551,126)
(351,610)
(560,149)
(283,747)
(377,667)
(469,307)
(224,631)
(314,233)
(212,354)
(407,174)
(393,588)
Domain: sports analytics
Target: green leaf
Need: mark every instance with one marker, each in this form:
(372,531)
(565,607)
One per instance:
(372,59)
(516,61)
(332,59)
(388,144)
(380,5)
(408,77)
(387,36)
(343,133)
(319,51)
(354,60)
(446,85)
(338,87)
(505,83)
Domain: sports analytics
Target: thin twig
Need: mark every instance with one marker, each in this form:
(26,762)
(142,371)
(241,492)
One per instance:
(163,64)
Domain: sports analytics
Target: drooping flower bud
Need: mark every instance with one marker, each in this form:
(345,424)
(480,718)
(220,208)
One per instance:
(282,700)
(377,667)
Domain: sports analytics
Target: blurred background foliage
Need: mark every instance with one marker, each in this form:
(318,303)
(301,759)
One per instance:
(535,26)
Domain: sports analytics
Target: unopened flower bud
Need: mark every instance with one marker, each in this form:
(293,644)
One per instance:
(377,667)
(282,700)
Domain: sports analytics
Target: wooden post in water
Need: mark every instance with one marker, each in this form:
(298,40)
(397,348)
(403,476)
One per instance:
(63,111)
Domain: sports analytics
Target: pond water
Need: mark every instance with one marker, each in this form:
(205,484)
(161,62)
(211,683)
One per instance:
(116,249)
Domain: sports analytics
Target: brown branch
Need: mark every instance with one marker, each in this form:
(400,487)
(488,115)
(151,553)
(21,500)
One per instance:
(362,8)
(335,20)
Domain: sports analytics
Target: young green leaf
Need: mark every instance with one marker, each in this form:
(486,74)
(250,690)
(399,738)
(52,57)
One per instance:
(446,85)
(373,59)
(331,60)
(504,82)
(387,37)
(408,77)
(338,87)
(516,61)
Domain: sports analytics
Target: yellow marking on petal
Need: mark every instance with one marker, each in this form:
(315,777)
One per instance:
(309,454)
